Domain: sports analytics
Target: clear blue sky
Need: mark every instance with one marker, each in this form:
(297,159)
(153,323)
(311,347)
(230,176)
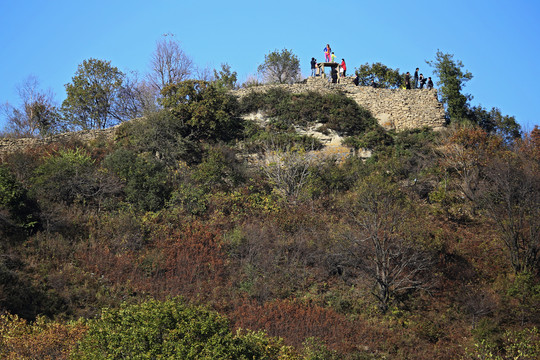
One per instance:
(497,41)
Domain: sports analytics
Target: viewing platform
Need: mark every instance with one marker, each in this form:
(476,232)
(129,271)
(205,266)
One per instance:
(334,68)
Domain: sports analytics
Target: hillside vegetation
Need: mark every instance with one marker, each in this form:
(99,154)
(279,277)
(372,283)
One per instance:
(198,234)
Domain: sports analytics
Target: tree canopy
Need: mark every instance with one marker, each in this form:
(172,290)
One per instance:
(380,74)
(282,67)
(451,81)
(93,96)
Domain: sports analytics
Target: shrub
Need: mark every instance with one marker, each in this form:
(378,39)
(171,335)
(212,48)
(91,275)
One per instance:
(172,329)
(219,170)
(41,339)
(15,199)
(162,135)
(146,178)
(67,176)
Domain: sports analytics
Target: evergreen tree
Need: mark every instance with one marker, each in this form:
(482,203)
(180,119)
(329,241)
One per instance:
(452,79)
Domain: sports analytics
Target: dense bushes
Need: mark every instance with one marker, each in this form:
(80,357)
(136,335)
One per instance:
(336,111)
(14,198)
(146,178)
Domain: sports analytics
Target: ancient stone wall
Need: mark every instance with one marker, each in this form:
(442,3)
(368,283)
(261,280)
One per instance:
(11,145)
(397,109)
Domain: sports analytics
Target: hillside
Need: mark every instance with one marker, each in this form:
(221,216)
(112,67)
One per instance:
(313,221)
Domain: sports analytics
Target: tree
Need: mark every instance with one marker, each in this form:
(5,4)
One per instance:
(495,123)
(93,96)
(280,67)
(225,77)
(287,170)
(169,64)
(381,243)
(466,153)
(37,113)
(382,75)
(513,202)
(452,79)
(204,110)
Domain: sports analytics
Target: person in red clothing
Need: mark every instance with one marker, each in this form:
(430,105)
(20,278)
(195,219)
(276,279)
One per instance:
(344,67)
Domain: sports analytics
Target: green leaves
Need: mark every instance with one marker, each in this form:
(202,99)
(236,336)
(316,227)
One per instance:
(380,74)
(171,330)
(452,79)
(92,95)
(205,110)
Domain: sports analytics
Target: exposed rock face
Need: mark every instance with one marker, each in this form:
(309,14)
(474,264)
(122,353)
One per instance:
(397,109)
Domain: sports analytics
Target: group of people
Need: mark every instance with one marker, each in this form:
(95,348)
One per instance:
(329,56)
(419,81)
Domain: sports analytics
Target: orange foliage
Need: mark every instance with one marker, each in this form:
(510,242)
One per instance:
(295,321)
(187,261)
(40,340)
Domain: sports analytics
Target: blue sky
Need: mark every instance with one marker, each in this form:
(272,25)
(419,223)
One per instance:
(497,41)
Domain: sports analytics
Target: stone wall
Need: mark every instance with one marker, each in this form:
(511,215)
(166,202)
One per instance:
(11,145)
(397,109)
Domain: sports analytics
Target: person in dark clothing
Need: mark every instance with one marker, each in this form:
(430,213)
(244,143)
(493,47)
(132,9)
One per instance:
(429,83)
(408,80)
(356,80)
(334,74)
(373,84)
(416,78)
(313,66)
(422,81)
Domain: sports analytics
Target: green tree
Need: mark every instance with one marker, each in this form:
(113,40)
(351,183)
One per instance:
(494,122)
(380,74)
(205,111)
(93,96)
(280,67)
(451,81)
(225,77)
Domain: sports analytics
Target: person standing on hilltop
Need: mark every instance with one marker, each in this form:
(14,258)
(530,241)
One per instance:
(333,57)
(416,78)
(327,52)
(343,67)
(313,66)
(408,80)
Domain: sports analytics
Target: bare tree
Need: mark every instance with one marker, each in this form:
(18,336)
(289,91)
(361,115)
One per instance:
(288,170)
(513,202)
(381,244)
(36,114)
(169,64)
